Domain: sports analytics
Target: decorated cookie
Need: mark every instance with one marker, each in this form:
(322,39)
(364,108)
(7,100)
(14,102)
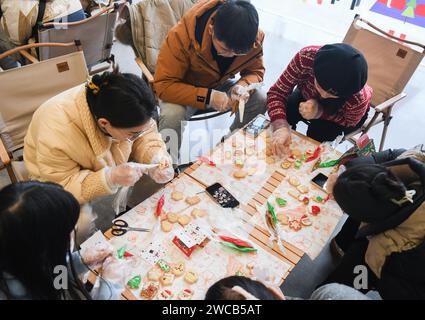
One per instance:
(314,210)
(319,199)
(281,202)
(286,164)
(172,217)
(293,181)
(184,219)
(154,274)
(295,225)
(193,200)
(166,279)
(304,199)
(177,196)
(149,291)
(134,282)
(178,269)
(165,295)
(297,164)
(166,226)
(240,174)
(306,221)
(191,277)
(163,265)
(185,294)
(228,155)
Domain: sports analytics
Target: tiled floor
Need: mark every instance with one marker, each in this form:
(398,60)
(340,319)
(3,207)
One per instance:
(284,37)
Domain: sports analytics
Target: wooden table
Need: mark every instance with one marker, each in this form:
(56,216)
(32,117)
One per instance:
(260,236)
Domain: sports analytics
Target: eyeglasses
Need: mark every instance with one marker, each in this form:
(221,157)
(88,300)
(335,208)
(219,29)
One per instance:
(223,50)
(141,133)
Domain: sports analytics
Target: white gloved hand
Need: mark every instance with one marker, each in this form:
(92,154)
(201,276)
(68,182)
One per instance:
(309,109)
(165,171)
(115,270)
(281,140)
(95,254)
(219,101)
(124,175)
(238,92)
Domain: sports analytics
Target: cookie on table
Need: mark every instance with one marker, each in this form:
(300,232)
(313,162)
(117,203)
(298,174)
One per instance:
(172,217)
(166,279)
(185,294)
(184,219)
(295,225)
(240,174)
(191,277)
(154,274)
(286,164)
(193,200)
(178,269)
(199,213)
(166,226)
(149,290)
(165,295)
(177,196)
(293,181)
(305,221)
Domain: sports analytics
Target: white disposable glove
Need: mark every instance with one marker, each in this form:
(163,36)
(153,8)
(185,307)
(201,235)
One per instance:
(219,101)
(281,140)
(96,254)
(239,92)
(165,171)
(124,175)
(309,109)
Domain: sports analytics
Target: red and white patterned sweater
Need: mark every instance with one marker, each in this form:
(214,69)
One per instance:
(300,73)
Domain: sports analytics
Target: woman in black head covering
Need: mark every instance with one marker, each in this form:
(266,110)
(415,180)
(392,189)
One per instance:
(385,230)
(324,87)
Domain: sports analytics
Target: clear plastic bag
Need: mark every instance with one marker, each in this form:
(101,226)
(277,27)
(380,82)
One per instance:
(119,203)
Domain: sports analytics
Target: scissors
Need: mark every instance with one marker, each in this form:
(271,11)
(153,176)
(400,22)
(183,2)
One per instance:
(120,228)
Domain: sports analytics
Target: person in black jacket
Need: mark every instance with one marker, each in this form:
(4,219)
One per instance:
(383,195)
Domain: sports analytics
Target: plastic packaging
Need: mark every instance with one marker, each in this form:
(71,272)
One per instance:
(119,203)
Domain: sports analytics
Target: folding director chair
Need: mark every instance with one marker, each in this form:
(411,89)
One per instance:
(23,90)
(392,62)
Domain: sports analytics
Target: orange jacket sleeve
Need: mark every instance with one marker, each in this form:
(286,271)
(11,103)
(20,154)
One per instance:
(173,62)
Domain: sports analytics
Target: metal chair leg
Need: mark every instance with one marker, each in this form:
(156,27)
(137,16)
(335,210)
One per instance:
(387,120)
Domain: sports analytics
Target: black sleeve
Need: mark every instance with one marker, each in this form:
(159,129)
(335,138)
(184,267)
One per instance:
(376,158)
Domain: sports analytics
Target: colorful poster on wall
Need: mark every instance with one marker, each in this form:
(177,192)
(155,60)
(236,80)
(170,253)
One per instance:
(408,11)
